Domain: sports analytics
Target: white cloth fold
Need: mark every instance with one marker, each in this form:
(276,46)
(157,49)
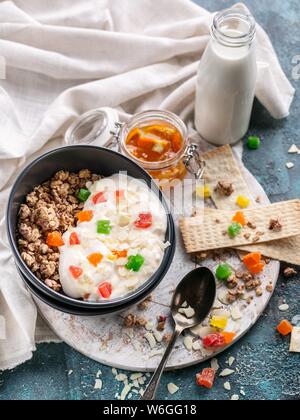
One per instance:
(64,58)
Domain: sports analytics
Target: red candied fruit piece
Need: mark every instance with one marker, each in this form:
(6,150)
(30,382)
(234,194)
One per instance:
(144,221)
(206,378)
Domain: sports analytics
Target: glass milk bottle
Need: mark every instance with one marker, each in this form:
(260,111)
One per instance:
(226,79)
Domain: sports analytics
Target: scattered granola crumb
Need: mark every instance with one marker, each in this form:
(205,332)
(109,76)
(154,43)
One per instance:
(142,306)
(259,291)
(251,225)
(247,236)
(225,188)
(289,272)
(275,225)
(258,199)
(232,282)
(235,397)
(129,321)
(249,300)
(269,288)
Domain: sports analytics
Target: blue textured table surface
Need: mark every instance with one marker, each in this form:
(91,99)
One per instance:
(265,368)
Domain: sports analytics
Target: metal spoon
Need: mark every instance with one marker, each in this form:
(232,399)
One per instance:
(192,302)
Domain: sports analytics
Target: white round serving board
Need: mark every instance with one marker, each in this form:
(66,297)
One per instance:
(105,340)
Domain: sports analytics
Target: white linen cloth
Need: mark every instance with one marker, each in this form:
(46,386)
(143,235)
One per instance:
(64,57)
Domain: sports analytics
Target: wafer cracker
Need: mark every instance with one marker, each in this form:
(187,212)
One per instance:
(204,233)
(220,165)
(288,249)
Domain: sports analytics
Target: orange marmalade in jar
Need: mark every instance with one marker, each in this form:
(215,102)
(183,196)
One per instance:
(157,141)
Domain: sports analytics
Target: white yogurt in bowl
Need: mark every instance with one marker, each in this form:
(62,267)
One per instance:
(121,244)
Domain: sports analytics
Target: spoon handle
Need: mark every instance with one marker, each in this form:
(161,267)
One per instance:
(151,389)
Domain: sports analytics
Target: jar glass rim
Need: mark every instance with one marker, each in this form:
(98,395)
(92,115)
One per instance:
(146,117)
(237,17)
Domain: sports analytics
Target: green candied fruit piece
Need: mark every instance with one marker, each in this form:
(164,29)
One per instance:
(135,262)
(104,227)
(253,142)
(234,229)
(83,195)
(223,272)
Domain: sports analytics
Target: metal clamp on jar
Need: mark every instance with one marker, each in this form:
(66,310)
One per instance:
(157,140)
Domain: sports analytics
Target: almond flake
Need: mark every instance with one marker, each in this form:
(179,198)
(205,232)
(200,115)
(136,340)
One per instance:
(149,326)
(227,386)
(172,388)
(125,392)
(214,364)
(295,340)
(158,336)
(188,342)
(290,165)
(236,313)
(188,312)
(284,307)
(121,377)
(196,345)
(231,361)
(134,376)
(98,384)
(226,372)
(294,149)
(151,340)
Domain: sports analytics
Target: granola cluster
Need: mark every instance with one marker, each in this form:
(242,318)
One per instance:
(51,206)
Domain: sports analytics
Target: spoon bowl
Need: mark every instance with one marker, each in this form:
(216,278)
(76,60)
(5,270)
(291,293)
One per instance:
(197,291)
(191,303)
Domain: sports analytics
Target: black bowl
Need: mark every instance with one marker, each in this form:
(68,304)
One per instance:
(104,162)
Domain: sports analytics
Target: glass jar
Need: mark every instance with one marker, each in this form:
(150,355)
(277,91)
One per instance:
(226,78)
(100,127)
(162,171)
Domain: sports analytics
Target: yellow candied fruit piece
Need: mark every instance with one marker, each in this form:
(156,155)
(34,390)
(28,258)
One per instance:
(243,202)
(203,191)
(112,257)
(218,322)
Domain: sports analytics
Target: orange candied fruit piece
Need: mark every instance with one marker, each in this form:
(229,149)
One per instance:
(120,254)
(176,142)
(133,136)
(85,216)
(145,143)
(95,258)
(257,268)
(228,337)
(55,239)
(252,259)
(284,328)
(240,218)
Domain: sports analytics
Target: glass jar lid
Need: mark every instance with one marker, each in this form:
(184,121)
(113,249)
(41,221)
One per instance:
(94,127)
